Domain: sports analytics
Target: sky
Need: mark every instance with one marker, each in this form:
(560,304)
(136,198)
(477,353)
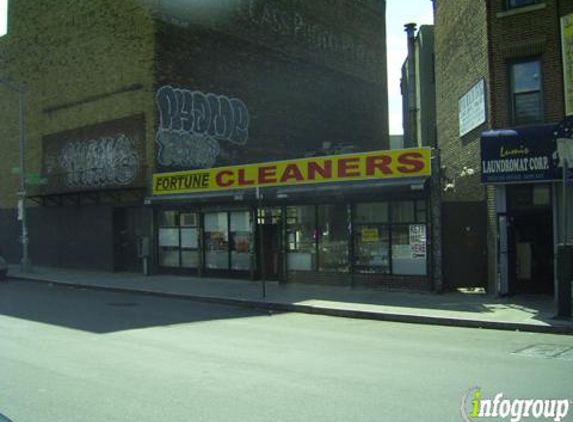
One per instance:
(398,13)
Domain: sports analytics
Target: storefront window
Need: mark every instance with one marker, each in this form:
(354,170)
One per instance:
(240,241)
(408,237)
(403,212)
(168,247)
(420,211)
(390,242)
(333,238)
(301,237)
(189,240)
(374,212)
(372,249)
(167,218)
(178,239)
(409,249)
(227,240)
(189,248)
(371,240)
(216,241)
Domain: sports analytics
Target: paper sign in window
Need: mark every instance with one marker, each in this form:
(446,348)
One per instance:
(370,235)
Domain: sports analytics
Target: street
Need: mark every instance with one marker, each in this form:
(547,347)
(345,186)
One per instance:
(77,355)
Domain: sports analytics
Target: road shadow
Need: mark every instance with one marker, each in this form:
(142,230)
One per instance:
(470,305)
(101,312)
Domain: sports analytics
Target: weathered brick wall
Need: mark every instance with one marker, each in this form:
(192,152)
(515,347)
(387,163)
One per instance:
(305,74)
(82,62)
(520,34)
(460,62)
(477,40)
(517,34)
(347,35)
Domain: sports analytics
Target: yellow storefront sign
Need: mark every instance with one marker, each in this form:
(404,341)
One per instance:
(414,162)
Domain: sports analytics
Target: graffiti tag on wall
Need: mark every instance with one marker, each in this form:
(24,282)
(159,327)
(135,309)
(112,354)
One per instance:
(106,155)
(192,124)
(107,161)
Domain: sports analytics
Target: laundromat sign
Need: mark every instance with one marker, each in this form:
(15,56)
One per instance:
(392,164)
(520,155)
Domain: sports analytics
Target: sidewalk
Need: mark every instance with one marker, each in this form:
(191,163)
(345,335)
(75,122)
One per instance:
(524,313)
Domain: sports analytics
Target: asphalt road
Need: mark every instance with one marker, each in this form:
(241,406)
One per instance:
(75,355)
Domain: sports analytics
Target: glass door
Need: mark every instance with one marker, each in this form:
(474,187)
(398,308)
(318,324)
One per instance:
(240,236)
(189,240)
(270,241)
(228,242)
(216,227)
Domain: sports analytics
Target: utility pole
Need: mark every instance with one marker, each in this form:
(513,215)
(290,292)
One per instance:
(565,248)
(411,138)
(25,263)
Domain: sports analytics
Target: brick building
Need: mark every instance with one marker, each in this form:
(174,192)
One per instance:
(418,88)
(499,90)
(117,92)
(87,68)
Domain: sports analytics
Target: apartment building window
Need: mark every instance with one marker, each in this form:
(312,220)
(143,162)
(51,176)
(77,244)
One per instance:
(526,98)
(514,4)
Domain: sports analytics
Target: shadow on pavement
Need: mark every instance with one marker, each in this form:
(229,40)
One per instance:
(105,312)
(313,298)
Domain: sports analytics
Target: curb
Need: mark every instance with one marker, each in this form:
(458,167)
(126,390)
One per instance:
(319,310)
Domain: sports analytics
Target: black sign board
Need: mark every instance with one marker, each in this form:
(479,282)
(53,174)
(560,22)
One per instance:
(526,154)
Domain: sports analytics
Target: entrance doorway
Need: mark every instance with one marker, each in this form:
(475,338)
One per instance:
(269,226)
(126,225)
(465,245)
(531,267)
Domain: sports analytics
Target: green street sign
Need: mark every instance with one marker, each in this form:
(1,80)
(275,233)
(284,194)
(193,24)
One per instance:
(35,179)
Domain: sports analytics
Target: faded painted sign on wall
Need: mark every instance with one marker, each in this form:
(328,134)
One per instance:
(307,31)
(107,155)
(346,35)
(195,127)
